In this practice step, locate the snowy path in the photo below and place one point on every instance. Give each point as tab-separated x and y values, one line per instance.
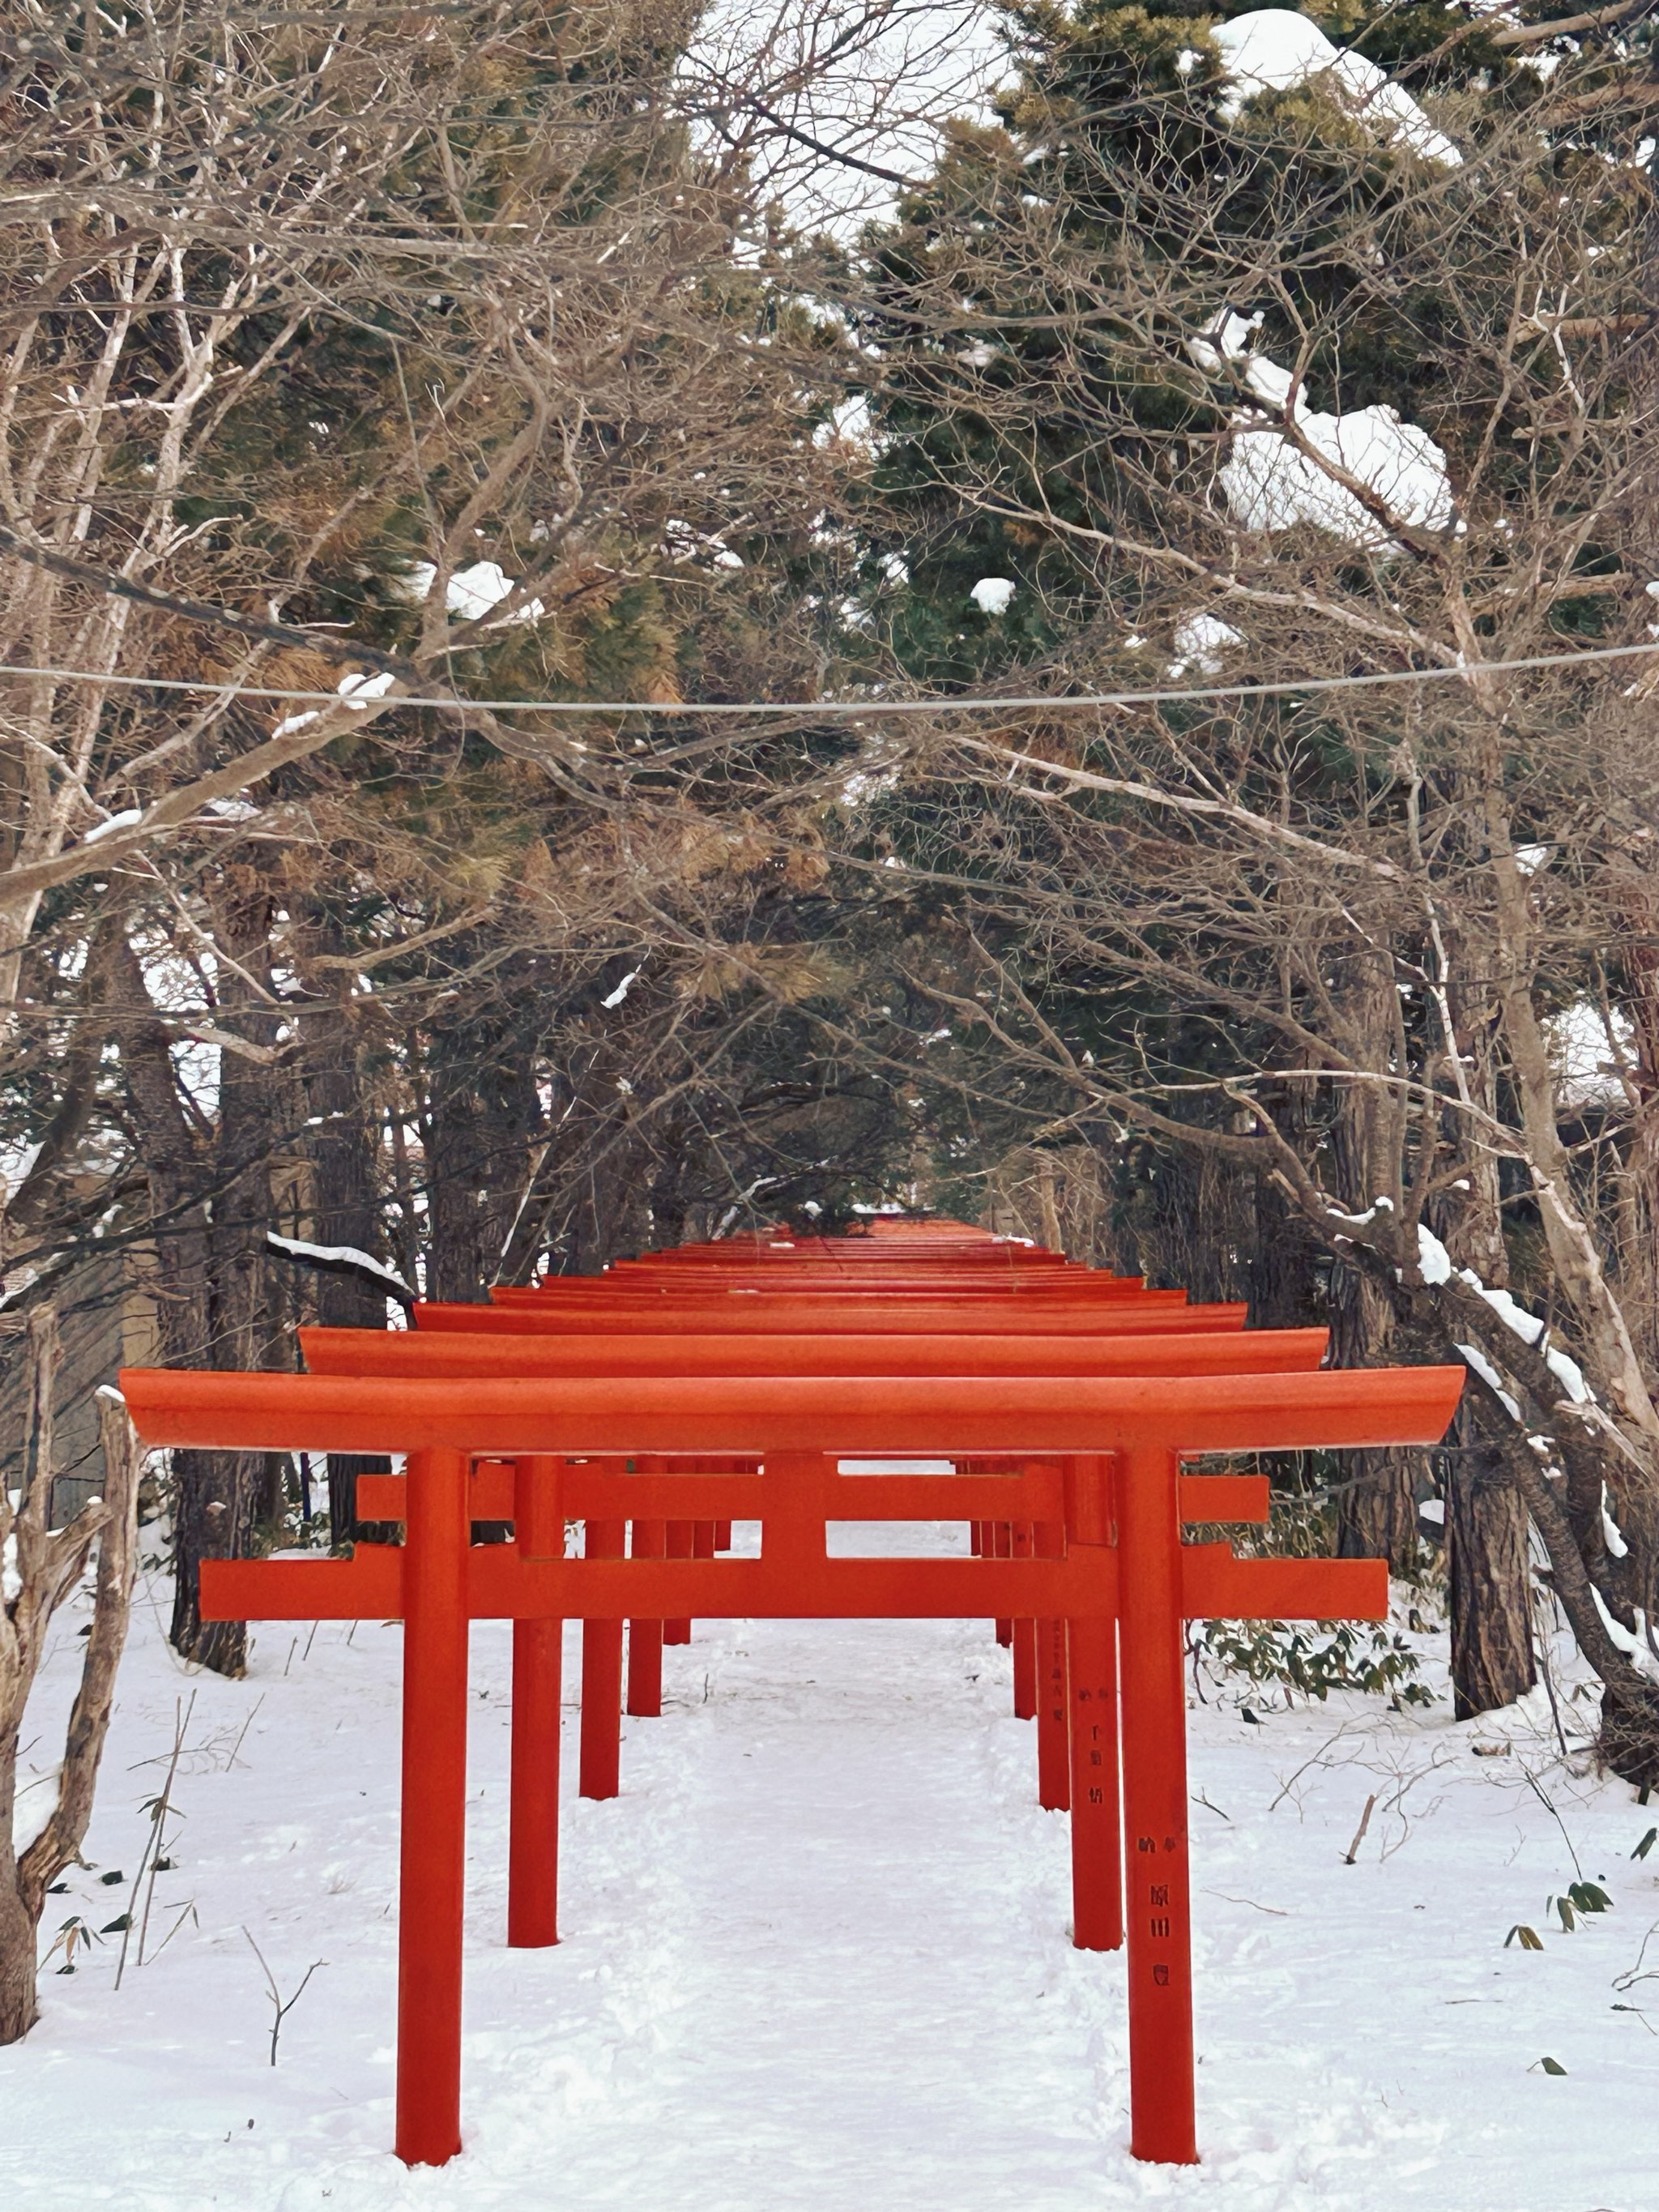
816	1960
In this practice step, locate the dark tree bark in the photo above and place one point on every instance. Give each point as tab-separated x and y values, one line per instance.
43	1197
485	1121
48	1564
176	1161
1376	1501
210	1203
342	1131
1376	1508
1377	1496
225	1500
455	1193
1493	1658
1492	1661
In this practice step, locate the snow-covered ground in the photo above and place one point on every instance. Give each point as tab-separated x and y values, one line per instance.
816	1959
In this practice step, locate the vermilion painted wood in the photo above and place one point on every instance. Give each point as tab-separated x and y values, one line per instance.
1158	1890
532	1885
1097	1837
836	1255
681	1538
1025	1696
715	1296
878	1587
589	1493
432	1873
1215	1585
403	1351
793	1421
915	1283
599	1757
851	1262
923	1416
850	1248
777	1266
648	1540
1153	1316
1052	1716
815	1355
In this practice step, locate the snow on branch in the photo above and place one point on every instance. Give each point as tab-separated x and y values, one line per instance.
344	1259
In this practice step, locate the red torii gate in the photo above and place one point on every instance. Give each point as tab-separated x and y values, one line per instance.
826	1285
377	1352
1122	1436
1097	1915
1096	1306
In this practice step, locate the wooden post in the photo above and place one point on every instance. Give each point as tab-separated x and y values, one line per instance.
1025	1701
432	1845
679	1542
1091	1655
1157	1885
532	1878
599	1762
1054	1703
648	1540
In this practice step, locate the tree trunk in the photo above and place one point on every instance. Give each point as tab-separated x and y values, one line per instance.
225	1498
456	1196
485	1118
1376	1508
19	1942
1491	1652
48	1564
1376	1495
345	1202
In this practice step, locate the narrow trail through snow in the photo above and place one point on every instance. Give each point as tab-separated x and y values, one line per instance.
815	1958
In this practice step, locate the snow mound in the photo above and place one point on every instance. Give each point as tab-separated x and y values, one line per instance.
1273	483
112	824
471	592
358	688
1276	49
992	594
340	1255
1201	640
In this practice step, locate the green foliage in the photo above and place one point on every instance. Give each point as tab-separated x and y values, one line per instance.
1582	1897
1313	1660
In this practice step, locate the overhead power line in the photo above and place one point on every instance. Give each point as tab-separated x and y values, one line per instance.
1059	702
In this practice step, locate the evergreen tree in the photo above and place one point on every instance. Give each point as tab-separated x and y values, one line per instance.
1261	346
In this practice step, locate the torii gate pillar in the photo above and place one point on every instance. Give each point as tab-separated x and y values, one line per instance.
1157	1879
433	1838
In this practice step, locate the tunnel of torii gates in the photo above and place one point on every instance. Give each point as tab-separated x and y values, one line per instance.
658	1403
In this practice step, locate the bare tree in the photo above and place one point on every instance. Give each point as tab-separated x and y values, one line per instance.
43	1566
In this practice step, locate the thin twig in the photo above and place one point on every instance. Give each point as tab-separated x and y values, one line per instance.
280	2009
1353	1852
1536	1787
159	1807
